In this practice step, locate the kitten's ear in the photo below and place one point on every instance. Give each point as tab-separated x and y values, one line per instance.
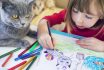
4	1
7	6
29	1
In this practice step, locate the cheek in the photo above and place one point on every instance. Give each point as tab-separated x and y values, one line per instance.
9	20
90	23
74	17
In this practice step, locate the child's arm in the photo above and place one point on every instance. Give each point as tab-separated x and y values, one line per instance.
91	43
43	34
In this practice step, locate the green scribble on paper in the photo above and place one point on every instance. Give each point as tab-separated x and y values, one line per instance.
73	47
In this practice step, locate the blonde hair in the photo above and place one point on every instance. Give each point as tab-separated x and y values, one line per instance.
84	5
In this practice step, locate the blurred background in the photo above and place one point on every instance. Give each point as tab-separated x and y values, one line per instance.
50	7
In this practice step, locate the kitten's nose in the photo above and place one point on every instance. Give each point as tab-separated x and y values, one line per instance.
23	23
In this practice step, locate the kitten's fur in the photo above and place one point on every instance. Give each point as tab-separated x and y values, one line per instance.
41	5
13	30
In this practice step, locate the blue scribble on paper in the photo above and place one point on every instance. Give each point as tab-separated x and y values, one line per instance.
94	63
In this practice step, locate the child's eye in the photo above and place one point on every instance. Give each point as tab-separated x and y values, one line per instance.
75	10
89	17
15	17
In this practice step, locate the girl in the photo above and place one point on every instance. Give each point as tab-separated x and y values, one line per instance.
82	17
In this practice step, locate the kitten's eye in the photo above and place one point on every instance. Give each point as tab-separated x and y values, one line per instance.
15	17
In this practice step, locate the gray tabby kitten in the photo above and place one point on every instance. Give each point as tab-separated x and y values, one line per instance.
15	20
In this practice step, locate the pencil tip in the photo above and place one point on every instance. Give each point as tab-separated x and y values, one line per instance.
16	59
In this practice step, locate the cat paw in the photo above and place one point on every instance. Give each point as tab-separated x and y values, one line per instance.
24	44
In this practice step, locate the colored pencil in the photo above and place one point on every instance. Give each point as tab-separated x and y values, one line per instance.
31	55
24	51
28	55
50	32
7	60
27	49
34	46
12	51
35	52
28	68
18	65
24	65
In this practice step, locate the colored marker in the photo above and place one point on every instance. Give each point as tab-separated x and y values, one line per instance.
25	56
35	52
3	55
7	60
28	68
26	50
24	65
34	46
31	55
18	65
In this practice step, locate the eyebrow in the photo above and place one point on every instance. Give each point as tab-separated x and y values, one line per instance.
90	13
87	12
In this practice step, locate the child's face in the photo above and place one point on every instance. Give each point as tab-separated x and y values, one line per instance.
84	20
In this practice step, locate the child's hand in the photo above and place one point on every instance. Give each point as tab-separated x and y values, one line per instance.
45	41
92	44
43	35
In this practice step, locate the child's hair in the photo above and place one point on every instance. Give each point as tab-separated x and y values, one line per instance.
84	6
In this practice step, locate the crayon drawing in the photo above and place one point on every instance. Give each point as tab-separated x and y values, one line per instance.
66	44
67	55
94	63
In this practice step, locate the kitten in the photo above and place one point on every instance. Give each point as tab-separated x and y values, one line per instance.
37	7
40	5
15	18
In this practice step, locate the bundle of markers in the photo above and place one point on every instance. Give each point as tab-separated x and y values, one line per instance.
33	53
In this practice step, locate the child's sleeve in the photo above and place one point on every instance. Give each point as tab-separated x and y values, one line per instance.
103	38
101	35
56	18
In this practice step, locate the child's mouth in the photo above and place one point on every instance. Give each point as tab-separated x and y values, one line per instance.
81	27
